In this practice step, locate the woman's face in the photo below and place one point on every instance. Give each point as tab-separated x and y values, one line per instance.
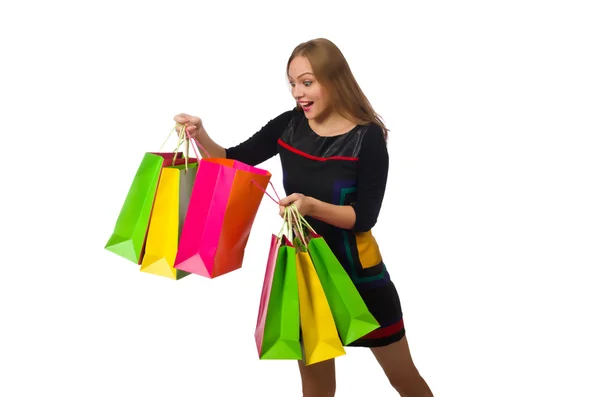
307	91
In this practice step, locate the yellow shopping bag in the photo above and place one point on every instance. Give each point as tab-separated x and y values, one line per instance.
166	221
320	338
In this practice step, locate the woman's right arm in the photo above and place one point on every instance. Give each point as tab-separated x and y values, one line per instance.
258	148
196	130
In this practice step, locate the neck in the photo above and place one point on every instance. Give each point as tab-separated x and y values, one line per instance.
331	124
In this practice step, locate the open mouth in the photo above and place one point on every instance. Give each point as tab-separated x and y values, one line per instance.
306	106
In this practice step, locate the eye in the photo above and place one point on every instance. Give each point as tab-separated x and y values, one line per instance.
292	84
307	83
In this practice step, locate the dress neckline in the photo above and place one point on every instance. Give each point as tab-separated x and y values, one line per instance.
305	120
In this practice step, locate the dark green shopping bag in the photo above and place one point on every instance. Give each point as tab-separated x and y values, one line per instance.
350	313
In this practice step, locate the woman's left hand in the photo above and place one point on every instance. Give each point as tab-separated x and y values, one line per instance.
303	203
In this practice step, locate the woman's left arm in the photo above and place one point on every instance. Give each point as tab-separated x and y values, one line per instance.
373	165
342	216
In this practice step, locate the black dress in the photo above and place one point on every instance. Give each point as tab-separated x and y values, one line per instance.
347	169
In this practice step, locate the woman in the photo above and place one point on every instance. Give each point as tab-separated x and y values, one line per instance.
334	158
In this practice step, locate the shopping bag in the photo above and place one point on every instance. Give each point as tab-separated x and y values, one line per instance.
274	255
352	317
222	209
277	332
320	337
166	221
130	230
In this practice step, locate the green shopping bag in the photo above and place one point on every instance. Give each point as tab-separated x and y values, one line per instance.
130	231
281	336
277	332
352	317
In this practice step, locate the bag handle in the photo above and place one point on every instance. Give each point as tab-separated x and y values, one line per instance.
265	192
181	134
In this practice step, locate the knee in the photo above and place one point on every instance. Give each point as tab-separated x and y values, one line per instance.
318	380
328	391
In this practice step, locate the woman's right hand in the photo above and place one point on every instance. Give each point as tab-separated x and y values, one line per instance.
192	124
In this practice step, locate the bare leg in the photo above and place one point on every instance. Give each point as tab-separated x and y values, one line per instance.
318	380
397	363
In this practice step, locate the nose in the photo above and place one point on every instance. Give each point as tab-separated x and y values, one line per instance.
297	91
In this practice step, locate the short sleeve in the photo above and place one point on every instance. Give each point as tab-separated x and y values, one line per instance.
372	173
263	144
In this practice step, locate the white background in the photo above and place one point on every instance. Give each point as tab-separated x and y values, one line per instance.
490	225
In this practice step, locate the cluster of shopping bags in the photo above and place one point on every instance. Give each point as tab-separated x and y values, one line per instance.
185	215
309	307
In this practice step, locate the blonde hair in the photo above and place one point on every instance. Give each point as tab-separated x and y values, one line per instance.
332	71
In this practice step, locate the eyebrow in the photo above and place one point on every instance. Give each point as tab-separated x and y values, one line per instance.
301	75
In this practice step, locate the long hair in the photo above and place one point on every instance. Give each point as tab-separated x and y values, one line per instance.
333	72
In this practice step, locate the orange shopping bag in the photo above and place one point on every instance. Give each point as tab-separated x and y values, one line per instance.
223	204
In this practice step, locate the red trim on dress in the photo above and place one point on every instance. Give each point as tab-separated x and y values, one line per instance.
309	156
387	331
